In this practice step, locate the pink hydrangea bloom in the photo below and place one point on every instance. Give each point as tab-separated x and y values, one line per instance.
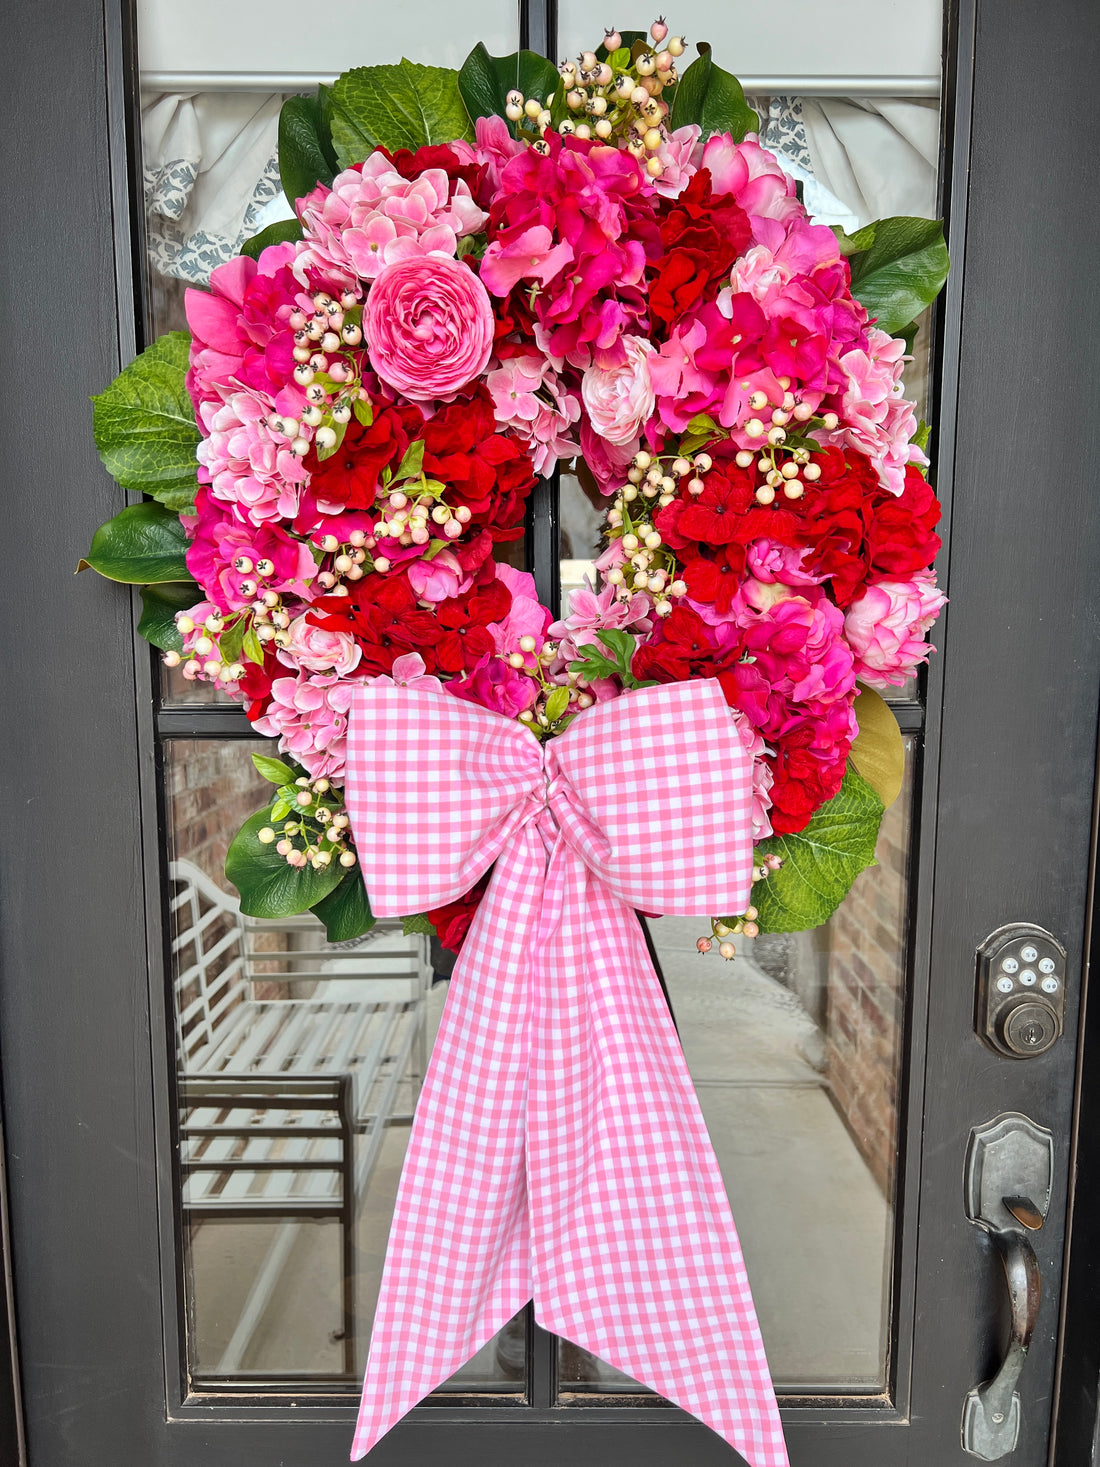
589	612
496	147
429	326
308	714
887	626
495	685
245	463
762	775
222	545
620	399
530	398
408	672
318	650
372	216
876	418
527	617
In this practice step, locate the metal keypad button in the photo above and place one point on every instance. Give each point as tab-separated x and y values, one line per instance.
1028	977
1029	953
1010	965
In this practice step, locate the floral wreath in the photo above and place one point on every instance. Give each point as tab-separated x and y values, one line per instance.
490	273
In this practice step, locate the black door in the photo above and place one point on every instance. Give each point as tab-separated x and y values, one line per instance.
841	1075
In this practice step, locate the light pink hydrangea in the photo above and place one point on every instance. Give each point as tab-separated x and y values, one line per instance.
530	398
318	650
875	417
590	612
308	714
429	326
620	399
762	775
887	626
372	216
679	154
246	463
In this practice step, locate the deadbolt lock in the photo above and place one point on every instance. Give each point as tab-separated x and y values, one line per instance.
1021	990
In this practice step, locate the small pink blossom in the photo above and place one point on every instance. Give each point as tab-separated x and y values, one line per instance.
886	628
429	326
762	774
440	578
530	398
408	671
766	560
679	159
532	255
527	617
620	400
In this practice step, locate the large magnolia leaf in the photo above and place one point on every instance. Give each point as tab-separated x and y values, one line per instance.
821	862
898	268
878	753
268	886
159	606
485	80
144	424
278	233
402	106
144	543
711	97
346	911
306	156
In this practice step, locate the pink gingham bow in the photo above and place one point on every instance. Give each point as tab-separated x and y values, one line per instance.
558	1152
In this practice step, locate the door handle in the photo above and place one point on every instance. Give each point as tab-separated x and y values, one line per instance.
1009	1172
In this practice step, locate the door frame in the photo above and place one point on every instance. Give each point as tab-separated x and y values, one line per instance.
81	1095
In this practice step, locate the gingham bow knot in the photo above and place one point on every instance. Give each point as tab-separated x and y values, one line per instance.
558	1152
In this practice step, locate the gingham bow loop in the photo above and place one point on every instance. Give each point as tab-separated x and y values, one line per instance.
558	1152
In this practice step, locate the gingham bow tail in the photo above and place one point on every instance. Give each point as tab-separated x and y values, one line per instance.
558	1152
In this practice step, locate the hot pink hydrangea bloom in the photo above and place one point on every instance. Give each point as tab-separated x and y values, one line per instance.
221	540
495	685
530	398
308	714
887	626
429	326
371	216
245	463
620	399
527	617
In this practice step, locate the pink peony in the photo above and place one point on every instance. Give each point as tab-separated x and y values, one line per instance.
495	685
429	326
886	628
440	578
309	716
766	560
372	217
620	399
318	650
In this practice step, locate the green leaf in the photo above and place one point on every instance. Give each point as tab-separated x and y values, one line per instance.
158	618
281	809
922	435
346	911
402	106
410	926
852	244
485	81
268	886
274	769
305	147
144	543
411	465
821	862
900	271
713	98
144	424
615	662
878	752
364	412
277	233
556	704
252	647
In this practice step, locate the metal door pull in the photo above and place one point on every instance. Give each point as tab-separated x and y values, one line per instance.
1009	1168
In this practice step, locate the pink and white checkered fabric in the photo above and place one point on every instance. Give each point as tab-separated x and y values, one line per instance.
558	1151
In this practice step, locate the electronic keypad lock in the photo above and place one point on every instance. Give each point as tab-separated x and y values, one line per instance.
1021	990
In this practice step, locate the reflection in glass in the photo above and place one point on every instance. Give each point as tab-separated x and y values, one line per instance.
299	1063
796	1051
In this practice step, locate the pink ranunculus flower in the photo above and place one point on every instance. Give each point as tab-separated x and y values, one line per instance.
496	685
440	578
319	650
886	628
309	716
620	399
429	327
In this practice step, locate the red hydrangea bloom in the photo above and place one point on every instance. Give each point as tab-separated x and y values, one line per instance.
683	647
702	237
452	921
382	614
463	625
489	472
901	534
350	477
